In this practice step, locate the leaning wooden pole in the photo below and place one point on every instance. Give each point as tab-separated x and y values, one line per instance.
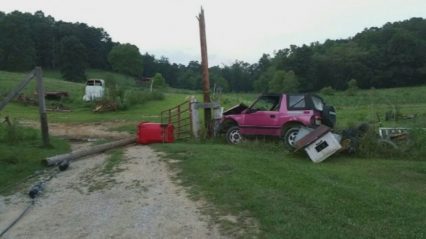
205	73
56	160
15	92
42	107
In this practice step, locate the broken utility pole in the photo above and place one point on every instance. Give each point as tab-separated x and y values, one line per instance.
205	72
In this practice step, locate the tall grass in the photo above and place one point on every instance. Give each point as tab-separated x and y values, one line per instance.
21	153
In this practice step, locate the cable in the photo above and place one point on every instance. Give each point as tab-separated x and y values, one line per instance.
18	218
34	192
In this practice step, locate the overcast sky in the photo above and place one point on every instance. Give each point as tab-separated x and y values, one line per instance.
236	29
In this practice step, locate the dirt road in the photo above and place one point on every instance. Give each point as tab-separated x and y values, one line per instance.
136	199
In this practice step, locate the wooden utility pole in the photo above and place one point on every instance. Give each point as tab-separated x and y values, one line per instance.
205	72
42	107
56	160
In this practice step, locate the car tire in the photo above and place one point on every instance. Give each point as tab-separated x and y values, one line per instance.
289	136
233	135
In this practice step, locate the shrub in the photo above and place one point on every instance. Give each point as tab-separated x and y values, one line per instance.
328	90
134	97
352	87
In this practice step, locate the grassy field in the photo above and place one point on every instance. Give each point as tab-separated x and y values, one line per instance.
81	111
286	194
290	197
21	154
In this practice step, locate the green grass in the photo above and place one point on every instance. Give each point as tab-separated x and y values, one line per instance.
366	105
286	194
113	160
291	197
22	157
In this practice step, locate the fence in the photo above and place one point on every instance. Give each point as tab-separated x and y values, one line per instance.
181	118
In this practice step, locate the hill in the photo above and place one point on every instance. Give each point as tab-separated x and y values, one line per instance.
380	57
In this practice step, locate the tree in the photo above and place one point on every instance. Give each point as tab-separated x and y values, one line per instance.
284	82
262	83
73	59
16	44
126	59
159	81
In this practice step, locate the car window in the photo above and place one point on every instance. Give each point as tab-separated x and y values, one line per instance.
267	103
296	101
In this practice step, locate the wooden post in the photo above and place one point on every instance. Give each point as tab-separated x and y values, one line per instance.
12	94
205	72
42	107
195	121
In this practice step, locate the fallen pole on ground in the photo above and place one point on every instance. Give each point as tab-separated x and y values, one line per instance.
56	160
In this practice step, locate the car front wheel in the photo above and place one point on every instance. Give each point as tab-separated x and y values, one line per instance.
233	135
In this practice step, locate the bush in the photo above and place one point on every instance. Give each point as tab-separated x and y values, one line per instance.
328	90
352	88
134	97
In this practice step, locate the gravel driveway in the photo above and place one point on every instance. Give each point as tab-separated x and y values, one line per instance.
136	200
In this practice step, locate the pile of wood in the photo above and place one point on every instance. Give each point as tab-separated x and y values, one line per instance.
106	106
58	107
26	100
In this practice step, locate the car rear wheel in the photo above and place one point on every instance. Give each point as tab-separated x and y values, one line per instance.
289	136
233	135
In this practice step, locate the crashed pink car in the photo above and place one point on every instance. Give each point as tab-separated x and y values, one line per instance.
279	115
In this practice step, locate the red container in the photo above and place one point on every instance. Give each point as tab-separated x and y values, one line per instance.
149	133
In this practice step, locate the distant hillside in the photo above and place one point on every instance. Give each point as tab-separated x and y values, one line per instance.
393	55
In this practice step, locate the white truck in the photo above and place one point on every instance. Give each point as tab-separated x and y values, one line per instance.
95	89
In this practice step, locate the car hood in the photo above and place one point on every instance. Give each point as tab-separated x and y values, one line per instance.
236	109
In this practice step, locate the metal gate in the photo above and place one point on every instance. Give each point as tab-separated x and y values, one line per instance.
180	117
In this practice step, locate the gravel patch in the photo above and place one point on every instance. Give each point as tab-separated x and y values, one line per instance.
137	200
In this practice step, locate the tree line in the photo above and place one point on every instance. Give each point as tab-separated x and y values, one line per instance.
390	56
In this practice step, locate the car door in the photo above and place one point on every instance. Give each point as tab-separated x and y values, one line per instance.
262	118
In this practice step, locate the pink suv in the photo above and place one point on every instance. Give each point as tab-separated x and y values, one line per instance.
279	115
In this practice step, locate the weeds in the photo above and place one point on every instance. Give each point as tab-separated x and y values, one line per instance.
14	133
410	147
21	153
114	159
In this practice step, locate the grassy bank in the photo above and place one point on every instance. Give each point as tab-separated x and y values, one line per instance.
291	197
